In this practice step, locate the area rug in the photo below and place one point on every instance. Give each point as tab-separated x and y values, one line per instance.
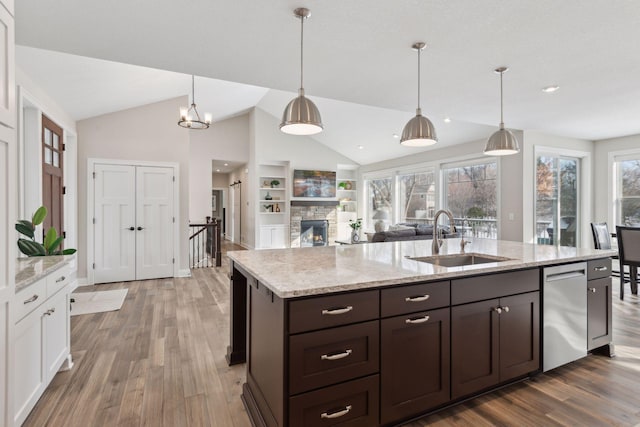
97	302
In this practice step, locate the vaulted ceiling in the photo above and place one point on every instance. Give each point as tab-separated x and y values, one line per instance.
359	67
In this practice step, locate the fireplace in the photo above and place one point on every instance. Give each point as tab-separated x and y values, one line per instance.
313	232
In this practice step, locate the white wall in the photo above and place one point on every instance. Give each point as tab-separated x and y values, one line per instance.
603	150
225	140
147	133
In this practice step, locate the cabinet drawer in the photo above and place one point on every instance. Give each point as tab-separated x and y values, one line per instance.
494	286
333	310
30	298
330	356
409	299
598	268
58	280
353	404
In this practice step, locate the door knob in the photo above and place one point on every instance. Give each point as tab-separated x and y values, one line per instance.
140	228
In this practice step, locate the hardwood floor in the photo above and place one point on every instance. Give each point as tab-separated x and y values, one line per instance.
159	361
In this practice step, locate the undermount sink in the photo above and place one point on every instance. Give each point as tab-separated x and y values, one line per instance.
459	260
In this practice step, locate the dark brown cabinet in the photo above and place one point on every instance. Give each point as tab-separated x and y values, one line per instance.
495	340
415	364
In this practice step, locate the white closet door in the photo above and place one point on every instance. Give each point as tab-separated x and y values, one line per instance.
154	222
114	229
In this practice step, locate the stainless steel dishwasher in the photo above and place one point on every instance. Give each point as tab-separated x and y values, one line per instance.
564	314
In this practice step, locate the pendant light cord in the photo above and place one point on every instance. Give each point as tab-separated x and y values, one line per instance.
193	91
301	50
419	78
501	103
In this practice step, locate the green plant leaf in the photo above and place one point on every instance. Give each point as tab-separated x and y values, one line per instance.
23	229
26	223
39	215
31	248
54	245
69	251
50	238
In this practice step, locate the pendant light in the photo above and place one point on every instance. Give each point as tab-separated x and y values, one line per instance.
502	142
301	117
189	118
419	131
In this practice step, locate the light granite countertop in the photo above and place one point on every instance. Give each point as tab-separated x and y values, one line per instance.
299	272
30	270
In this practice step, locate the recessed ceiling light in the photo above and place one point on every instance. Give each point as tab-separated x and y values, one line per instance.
360	147
226	164
550	89
396	136
447	120
217	170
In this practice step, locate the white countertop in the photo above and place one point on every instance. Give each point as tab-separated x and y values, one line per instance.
299	272
30	270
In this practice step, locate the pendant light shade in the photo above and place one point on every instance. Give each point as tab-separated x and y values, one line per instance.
419	131
301	117
190	118
503	142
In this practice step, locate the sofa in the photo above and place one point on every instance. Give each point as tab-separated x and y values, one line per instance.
410	231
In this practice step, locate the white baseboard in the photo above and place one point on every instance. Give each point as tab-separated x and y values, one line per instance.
184	273
82	281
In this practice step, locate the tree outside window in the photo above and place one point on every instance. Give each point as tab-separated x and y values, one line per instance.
628	172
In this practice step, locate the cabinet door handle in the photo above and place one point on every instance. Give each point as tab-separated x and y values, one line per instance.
60	279
604	268
336	356
49	312
140	228
417	298
131	228
32	299
333	311
498	310
506	309
592	290
417	320
336	414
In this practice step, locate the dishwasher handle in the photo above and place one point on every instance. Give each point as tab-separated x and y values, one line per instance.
566	275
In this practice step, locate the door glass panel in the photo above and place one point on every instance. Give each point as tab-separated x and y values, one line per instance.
47	155
557	216
55	141
47	137
55	159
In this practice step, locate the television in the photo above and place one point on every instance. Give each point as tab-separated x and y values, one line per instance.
313	183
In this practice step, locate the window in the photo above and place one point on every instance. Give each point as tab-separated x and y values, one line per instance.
379	199
557	192
417	196
471	194
627	204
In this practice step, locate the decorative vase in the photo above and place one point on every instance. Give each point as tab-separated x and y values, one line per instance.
355	235
268	196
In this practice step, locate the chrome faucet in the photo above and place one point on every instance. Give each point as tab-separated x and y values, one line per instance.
437	232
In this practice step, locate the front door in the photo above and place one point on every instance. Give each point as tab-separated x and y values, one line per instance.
134	222
52	173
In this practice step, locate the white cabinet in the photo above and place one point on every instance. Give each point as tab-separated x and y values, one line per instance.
41	343
274	236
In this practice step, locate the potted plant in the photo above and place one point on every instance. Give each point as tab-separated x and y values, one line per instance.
51	242
355	229
275	183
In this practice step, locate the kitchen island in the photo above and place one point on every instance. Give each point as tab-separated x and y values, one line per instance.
367	335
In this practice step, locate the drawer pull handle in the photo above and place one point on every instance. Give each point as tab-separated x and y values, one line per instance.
333	311
60	279
417	298
32	299
604	268
50	311
336	414
417	320
592	290
336	356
